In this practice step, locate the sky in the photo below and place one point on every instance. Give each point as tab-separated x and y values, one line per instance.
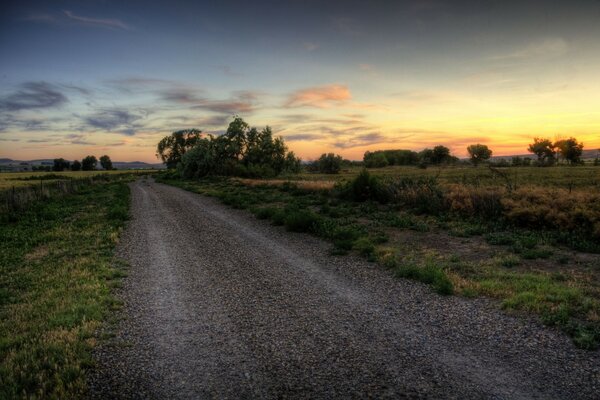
114	77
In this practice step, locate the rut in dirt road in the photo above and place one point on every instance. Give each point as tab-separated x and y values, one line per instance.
220	305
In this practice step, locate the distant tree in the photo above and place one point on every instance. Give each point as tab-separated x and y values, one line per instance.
544	150
60	165
479	153
570	150
171	148
440	154
329	163
377	159
516	161
425	157
106	162
89	163
241	151
75	165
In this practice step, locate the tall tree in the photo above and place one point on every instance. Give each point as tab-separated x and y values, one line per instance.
60	164
75	165
106	162
544	150
440	154
479	153
171	148
89	163
570	150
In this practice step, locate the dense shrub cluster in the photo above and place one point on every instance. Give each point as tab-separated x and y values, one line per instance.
241	151
528	207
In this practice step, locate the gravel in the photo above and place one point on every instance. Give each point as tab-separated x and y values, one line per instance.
218	304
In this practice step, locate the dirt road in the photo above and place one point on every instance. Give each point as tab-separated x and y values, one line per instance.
221	305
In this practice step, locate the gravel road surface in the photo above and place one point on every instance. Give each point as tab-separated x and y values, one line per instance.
220	305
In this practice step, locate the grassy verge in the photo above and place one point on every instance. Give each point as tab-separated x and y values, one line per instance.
56	274
527	271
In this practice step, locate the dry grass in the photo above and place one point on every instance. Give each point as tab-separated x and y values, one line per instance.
301	184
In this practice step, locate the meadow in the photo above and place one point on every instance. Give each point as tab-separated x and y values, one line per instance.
19	179
56	275
528	237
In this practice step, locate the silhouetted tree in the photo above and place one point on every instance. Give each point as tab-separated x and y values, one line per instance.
106	162
329	163
241	151
75	165
479	153
171	148
544	150
570	150
60	165
440	154
89	163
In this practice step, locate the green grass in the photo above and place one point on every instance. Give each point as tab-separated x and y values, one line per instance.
56	274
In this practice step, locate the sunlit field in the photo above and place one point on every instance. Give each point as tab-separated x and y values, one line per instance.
18	179
558	177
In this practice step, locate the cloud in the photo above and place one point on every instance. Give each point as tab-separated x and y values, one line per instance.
360	140
549	47
78	139
114	120
33	95
366	67
319	97
241	102
104	23
299	137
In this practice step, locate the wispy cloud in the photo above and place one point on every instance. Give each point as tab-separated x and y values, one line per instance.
365	139
544	48
113	120
319	97
33	95
241	102
103	23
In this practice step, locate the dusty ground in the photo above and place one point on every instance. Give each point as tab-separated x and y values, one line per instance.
220	305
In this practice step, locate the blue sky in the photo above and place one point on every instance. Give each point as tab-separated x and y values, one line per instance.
91	77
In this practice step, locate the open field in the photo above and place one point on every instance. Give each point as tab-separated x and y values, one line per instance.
556	177
18	179
56	275
531	242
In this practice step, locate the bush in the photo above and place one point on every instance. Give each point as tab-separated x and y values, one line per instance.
301	221
364	187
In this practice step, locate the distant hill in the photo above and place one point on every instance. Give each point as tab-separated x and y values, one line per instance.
7	163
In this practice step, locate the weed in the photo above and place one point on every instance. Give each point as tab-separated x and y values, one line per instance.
430	274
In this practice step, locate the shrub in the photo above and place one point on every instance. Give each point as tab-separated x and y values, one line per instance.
301	221
265	212
364	247
423	195
364	187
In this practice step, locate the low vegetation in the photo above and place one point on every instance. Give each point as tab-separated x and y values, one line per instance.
518	236
56	272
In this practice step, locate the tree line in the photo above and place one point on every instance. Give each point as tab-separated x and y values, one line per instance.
88	163
241	151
